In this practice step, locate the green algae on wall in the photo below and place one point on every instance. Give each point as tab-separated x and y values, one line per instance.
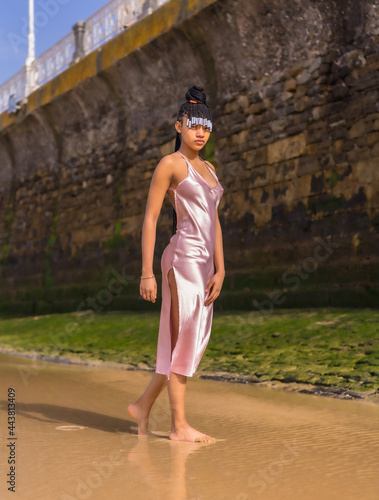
49	250
116	240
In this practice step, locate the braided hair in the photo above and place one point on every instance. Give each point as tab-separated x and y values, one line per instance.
191	109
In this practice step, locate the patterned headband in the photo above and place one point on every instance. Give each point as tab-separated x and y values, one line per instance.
199	121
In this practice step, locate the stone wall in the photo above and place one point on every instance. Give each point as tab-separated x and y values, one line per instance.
294	92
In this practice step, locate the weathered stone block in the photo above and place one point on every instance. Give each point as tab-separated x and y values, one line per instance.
286	148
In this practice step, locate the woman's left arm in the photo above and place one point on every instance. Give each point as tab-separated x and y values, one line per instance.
218	257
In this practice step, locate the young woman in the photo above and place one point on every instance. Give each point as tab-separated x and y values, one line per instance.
189	283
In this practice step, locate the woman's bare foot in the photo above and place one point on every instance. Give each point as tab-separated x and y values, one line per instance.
188	433
142	418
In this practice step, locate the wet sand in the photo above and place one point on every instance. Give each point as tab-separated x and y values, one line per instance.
75	440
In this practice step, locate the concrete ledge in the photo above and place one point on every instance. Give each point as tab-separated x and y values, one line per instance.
139	34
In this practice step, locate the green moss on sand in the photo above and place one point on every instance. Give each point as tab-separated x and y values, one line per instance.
330	347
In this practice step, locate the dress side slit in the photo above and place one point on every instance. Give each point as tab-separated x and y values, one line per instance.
174	309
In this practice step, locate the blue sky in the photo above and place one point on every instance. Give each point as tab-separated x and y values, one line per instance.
53	20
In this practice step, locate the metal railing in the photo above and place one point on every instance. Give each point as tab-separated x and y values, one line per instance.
86	36
54	60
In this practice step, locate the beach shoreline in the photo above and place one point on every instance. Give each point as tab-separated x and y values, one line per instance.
371	397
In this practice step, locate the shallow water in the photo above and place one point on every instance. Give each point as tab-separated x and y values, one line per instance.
75	440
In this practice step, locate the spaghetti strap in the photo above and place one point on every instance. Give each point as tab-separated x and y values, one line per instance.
199	174
209	168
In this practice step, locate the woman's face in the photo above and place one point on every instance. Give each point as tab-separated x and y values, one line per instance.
195	136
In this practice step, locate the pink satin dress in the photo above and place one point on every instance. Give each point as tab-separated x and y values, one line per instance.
190	254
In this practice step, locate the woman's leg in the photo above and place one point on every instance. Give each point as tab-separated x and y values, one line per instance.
140	409
180	429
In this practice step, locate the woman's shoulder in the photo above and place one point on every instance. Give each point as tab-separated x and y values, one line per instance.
167	161
168	165
170	158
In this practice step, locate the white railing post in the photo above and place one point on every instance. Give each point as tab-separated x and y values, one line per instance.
30	82
85	37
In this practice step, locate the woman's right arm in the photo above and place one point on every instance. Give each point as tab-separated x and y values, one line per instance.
159	184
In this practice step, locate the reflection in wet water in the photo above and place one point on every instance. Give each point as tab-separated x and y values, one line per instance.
166	478
271	445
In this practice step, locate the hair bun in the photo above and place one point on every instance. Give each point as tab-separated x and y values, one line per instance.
196	93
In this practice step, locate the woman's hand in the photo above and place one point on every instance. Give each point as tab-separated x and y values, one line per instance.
214	285
148	289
